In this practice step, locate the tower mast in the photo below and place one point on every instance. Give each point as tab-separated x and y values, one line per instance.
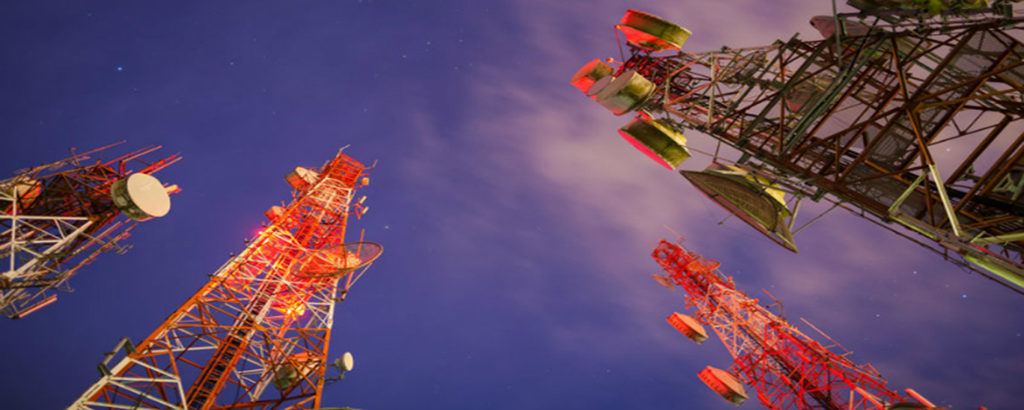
913	122
788	369
256	335
57	217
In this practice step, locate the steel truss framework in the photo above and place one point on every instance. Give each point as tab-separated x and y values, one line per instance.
57	217
865	120
788	369
256	335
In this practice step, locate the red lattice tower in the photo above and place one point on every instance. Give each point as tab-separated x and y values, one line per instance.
788	369
257	334
57	217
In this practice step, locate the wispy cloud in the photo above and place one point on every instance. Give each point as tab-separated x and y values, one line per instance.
551	150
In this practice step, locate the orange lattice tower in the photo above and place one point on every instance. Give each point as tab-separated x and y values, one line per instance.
256	335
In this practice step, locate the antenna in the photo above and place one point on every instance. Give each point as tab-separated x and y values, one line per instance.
750	198
262	323
60	216
848	118
344	364
786	368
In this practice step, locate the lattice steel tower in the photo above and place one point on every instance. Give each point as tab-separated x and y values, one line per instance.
896	115
256	335
788	369
57	217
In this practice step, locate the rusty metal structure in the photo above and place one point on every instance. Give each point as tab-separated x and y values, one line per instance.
256	335
911	122
57	217
787	369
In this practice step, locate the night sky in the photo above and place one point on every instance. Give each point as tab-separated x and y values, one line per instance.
517	225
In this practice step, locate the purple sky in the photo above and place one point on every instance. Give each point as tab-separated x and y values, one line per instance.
517	225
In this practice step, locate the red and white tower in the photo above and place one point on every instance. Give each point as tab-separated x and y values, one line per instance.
256	335
788	369
57	217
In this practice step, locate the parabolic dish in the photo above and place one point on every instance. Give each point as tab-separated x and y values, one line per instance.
589	73
664	281
689	327
658	140
703	265
599	85
752	204
338	260
652	32
345	362
24	189
626	92
724	384
141	197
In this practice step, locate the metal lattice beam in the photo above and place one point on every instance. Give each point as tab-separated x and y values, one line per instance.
57	217
864	118
788	369
256	335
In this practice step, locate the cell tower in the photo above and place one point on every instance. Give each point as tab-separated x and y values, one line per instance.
894	115
788	369
57	217
256	335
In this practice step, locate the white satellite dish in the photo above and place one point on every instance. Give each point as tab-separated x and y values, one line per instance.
141	197
345	362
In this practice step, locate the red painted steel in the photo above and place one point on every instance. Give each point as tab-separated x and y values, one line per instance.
788	369
257	334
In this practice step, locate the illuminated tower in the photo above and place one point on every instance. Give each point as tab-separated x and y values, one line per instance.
916	123
256	335
788	369
57	217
